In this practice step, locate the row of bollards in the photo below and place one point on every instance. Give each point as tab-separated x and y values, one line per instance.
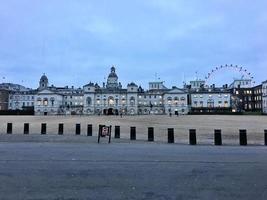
150	134
44	131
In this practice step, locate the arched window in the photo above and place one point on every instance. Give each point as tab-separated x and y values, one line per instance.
210	103
39	101
132	101
169	100
123	102
176	99
45	102
110	101
88	101
52	99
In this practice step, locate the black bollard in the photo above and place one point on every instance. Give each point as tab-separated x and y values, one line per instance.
243	137
26	128
117	132
133	133
192	137
78	129
61	129
43	128
89	130
9	128
170	135
265	137
217	137
150	135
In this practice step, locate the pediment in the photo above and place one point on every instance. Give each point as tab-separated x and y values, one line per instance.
46	91
176	91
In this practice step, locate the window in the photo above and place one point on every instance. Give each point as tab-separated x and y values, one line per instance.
176	99
110	101
210	103
132	101
45	101
52	99
88	101
123	102
39	100
169	99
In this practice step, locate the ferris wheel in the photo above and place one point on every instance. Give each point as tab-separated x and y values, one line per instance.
245	74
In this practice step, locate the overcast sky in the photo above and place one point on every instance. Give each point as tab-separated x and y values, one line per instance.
77	41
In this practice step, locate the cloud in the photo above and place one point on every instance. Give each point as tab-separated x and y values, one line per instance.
80	40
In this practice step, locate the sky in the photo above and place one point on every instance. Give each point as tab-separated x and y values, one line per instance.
77	41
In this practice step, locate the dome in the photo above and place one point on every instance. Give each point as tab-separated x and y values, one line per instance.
112	73
44	77
132	84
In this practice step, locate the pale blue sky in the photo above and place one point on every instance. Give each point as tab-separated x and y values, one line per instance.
77	41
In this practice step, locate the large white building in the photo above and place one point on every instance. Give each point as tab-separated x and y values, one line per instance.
111	98
264	97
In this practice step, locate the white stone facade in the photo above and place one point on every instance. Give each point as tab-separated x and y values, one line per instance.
109	99
21	100
211	99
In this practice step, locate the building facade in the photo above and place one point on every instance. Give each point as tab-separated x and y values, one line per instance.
264	97
110	99
4	94
211	100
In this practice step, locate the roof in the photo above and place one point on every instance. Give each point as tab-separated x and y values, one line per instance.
132	84
44	77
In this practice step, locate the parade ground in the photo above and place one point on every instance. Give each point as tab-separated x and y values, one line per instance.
204	125
69	166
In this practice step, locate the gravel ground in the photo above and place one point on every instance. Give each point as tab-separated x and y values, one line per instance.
204	125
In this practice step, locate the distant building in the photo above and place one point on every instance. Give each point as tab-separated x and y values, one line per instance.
241	83
264	97
111	98
4	94
246	98
210	100
257	98
21	100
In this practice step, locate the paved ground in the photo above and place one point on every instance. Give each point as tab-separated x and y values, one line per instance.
61	170
204	125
